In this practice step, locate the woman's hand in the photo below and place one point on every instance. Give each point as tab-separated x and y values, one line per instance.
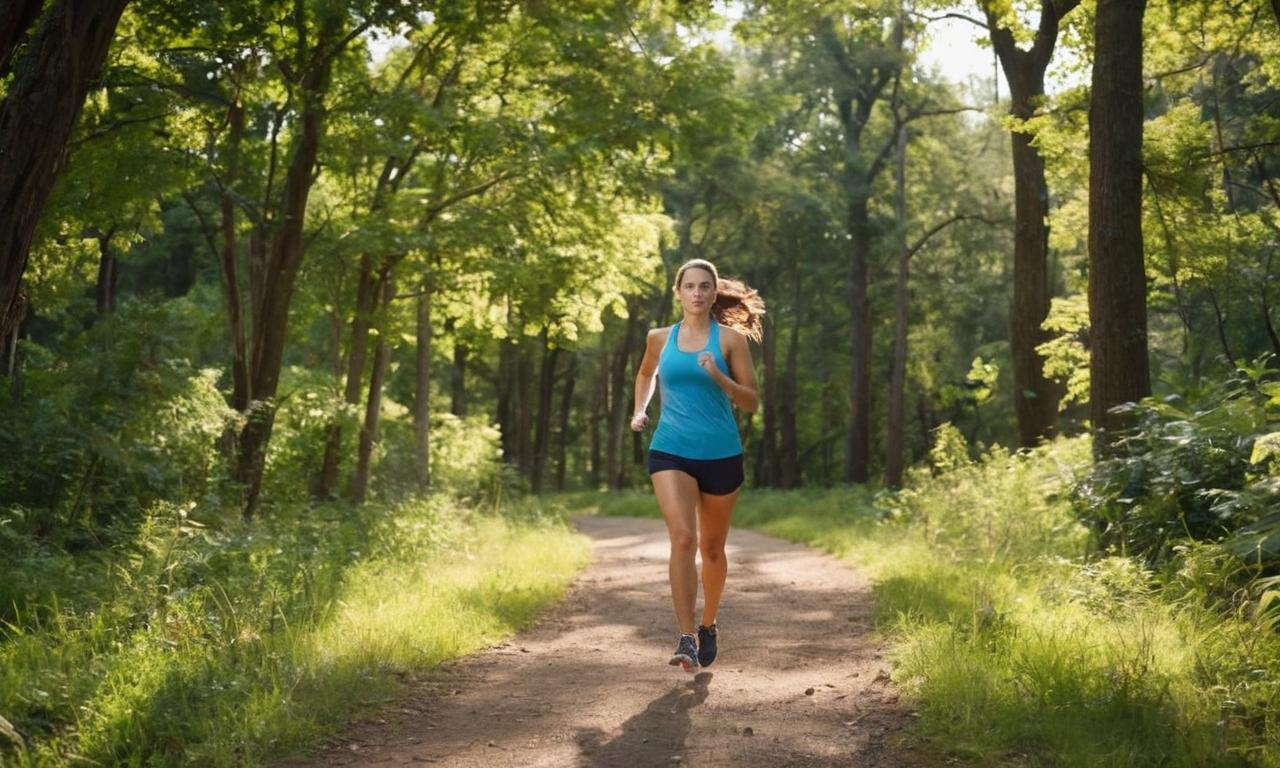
708	363
639	422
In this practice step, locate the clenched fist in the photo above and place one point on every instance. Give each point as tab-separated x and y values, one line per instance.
639	422
708	362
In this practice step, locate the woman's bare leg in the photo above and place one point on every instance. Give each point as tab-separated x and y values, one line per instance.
713	530
678	495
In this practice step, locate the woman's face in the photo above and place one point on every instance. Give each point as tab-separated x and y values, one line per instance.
697	291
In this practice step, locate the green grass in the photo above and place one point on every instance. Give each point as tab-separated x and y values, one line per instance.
1016	647
235	645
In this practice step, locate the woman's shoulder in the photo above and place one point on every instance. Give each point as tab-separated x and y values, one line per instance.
659	335
731	336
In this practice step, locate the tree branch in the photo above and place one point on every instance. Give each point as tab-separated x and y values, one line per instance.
943	225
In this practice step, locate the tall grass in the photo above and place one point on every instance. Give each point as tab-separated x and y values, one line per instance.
233	645
1021	648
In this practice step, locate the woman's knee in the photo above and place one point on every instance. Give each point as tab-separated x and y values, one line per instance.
712	549
683	540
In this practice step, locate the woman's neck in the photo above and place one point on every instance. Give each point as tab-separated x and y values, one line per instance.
697	322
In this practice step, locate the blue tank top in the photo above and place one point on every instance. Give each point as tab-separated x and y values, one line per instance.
697	418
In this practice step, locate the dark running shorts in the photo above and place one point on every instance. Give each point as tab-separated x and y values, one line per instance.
715	476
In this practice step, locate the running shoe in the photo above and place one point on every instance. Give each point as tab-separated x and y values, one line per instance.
686	655
707	644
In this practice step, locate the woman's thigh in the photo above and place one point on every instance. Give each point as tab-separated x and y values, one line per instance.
714	513
678	495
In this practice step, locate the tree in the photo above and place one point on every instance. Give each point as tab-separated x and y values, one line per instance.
56	64
1119	368
1035	396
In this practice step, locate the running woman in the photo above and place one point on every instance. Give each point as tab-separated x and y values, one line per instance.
703	366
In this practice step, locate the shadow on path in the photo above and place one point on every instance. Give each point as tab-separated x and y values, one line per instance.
663	725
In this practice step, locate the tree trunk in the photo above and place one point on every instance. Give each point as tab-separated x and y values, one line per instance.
789	445
566	404
1119	368
767	469
1035	397
858	436
458	380
620	399
373	407
1220	323
16	18
108	273
542	427
241	392
278	274
896	426
42	102
327	483
523	386
599	412
505	384
422	391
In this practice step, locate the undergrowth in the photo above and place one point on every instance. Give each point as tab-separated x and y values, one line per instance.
220	643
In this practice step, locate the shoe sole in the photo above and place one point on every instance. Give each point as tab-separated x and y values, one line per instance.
689	665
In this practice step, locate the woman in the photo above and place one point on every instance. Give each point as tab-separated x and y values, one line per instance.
703	365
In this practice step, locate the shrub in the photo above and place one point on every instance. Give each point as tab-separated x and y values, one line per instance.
1191	471
119	422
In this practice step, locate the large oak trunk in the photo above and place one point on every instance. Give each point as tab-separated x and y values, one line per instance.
1119	368
59	63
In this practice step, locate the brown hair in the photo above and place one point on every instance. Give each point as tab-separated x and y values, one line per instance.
738	305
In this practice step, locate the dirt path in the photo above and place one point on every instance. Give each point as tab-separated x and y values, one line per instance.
800	681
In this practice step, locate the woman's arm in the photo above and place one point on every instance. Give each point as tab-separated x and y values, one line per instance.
646	376
741	388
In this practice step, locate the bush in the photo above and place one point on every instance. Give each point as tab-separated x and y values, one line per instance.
117	423
1191	472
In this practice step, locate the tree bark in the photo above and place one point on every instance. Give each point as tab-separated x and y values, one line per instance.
767	469
620	399
1220	323
108	273
422	390
373	407
599	412
1119	367
278	274
542	426
61	60
523	386
1035	397
458	380
327	483
566	404
241	391
858	436
789	444
16	18
895	439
